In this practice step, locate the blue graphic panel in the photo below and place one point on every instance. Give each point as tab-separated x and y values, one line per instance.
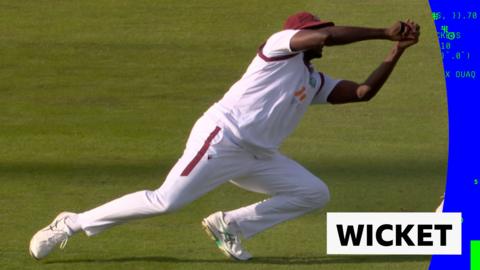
458	29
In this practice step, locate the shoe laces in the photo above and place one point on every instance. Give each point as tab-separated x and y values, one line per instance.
63	244
58	230
231	239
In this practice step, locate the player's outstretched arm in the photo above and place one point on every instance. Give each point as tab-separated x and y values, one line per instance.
340	35
348	91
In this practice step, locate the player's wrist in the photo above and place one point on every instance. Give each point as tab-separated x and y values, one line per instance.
387	34
398	49
394	53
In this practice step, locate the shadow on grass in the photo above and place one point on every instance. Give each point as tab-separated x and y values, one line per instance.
410	168
259	260
95	170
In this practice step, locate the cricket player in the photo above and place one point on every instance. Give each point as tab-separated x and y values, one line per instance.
237	140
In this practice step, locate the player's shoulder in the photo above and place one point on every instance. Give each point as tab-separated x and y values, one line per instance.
278	44
281	35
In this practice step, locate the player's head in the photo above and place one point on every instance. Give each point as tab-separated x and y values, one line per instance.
305	20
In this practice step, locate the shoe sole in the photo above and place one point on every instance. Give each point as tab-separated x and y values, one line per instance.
59	216
211	234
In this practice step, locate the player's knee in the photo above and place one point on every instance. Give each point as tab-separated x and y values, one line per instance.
162	203
317	195
169	206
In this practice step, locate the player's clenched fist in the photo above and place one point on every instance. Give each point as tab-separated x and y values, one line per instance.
412	37
401	31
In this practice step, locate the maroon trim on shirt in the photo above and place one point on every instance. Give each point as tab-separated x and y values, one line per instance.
275	58
200	153
322	77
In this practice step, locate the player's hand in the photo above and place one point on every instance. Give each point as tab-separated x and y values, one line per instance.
402	30
412	37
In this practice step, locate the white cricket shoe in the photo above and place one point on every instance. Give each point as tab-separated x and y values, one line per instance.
48	238
227	240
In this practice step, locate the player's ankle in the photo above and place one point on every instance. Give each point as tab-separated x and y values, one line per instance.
72	224
232	224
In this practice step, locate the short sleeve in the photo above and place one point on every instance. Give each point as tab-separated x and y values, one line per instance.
327	85
279	44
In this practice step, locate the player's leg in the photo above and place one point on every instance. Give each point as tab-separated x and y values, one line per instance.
207	162
177	191
295	191
193	175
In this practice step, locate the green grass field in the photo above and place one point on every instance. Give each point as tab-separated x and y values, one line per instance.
98	97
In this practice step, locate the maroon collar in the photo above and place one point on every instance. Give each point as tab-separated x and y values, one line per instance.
308	64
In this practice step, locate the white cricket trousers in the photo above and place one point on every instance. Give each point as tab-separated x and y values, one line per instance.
209	160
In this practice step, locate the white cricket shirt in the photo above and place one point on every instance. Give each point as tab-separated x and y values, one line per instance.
261	109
